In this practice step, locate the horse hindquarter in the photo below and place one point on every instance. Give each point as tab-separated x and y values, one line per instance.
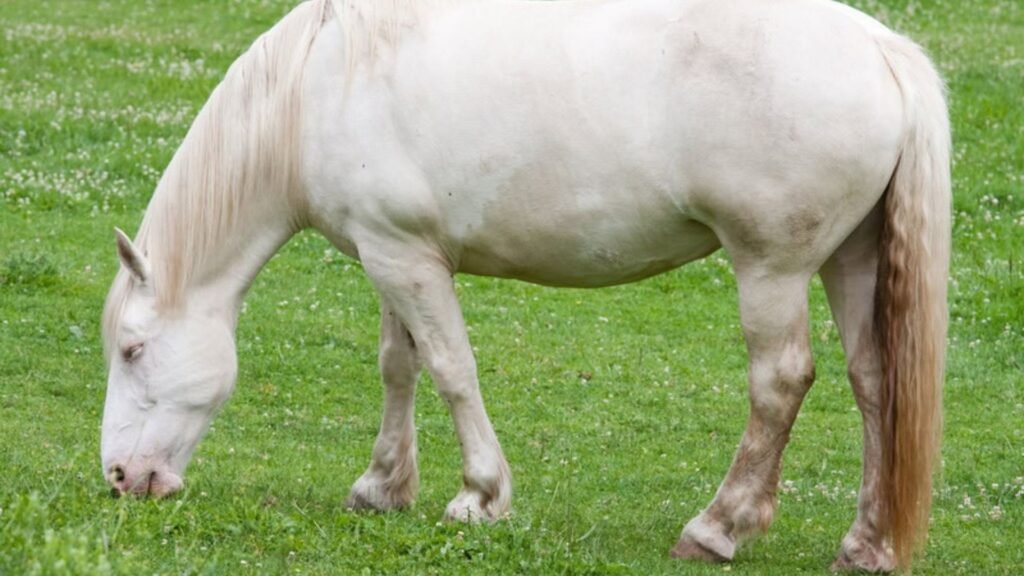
889	105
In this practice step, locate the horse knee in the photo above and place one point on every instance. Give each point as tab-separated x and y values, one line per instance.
455	377
397	372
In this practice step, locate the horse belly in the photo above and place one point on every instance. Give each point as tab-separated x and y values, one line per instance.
576	245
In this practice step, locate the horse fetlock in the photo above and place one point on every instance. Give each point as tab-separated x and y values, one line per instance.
486	474
743	509
394	454
753	519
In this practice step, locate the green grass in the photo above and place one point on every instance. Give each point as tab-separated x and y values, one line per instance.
95	97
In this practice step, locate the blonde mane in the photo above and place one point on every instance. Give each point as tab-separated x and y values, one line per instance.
243	143
367	26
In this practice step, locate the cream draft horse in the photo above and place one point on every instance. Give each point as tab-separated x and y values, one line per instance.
582	143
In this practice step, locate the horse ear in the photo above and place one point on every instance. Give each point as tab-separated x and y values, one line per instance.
131	258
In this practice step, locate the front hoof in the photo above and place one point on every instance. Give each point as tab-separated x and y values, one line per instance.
361	503
369	494
467	508
689	549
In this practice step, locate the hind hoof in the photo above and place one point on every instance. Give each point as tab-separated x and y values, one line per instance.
689	549
863	558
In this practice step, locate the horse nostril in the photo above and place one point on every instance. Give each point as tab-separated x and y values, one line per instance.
117	474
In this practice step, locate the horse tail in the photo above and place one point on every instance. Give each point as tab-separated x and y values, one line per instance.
911	303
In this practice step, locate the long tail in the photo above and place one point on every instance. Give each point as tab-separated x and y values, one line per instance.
911	299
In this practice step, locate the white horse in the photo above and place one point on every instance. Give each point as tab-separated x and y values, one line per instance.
581	143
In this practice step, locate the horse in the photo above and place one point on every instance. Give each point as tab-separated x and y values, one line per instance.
583	144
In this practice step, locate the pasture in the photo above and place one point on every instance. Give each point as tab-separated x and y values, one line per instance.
618	409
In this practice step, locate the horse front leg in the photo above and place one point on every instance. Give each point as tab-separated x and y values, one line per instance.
773	312
421	293
391	481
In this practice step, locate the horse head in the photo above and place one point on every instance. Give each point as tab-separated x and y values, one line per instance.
170	369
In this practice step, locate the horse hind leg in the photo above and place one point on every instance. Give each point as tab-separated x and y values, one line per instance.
849	277
773	310
391	481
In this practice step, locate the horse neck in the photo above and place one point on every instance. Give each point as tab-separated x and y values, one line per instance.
231	267
194	267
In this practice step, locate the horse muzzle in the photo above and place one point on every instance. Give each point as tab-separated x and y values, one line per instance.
142	481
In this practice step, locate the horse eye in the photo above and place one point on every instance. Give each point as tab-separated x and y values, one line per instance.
132	352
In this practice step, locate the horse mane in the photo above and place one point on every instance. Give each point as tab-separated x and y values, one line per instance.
369	25
243	143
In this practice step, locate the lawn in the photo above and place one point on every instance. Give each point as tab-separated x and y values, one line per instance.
619	409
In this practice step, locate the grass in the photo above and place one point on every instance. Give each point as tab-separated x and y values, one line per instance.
619	409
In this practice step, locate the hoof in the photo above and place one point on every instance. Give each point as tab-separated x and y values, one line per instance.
466	508
368	494
863	558
689	549
360	503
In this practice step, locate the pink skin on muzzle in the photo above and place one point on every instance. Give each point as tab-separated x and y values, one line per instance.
142	481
